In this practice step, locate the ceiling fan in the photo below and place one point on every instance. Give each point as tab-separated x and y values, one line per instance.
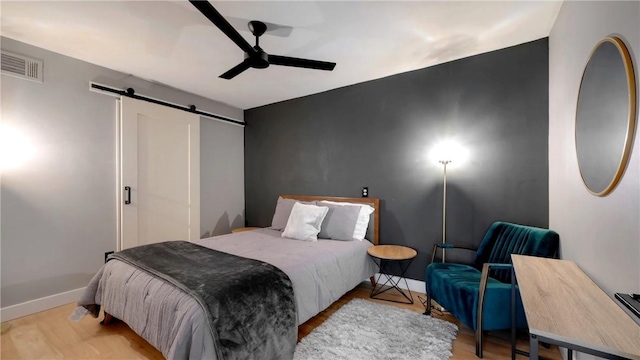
254	56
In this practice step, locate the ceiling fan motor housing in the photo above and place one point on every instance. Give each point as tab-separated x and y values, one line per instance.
257	60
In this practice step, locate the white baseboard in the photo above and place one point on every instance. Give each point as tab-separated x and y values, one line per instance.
413	285
37	305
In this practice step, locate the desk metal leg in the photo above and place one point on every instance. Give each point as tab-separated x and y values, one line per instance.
514	350
533	347
513	314
570	349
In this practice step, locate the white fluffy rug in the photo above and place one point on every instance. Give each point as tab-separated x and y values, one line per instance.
363	329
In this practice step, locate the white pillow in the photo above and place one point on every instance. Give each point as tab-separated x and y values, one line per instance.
304	222
363	218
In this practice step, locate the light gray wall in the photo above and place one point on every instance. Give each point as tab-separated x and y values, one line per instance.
601	234
58	211
222	177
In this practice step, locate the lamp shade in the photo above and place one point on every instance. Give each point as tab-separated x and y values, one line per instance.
448	151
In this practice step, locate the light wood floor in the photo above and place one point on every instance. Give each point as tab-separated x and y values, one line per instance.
51	335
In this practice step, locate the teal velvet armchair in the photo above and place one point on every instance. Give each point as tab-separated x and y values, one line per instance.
479	294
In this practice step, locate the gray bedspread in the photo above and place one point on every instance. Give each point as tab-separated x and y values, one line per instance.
249	304
173	322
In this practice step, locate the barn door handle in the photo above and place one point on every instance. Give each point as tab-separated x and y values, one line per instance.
127	190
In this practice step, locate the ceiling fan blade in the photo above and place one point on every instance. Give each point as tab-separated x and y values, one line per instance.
303	63
272	28
235	71
218	20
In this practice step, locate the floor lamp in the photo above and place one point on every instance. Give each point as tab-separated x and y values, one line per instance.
444	206
447	152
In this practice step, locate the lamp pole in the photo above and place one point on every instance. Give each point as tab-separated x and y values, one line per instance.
444	208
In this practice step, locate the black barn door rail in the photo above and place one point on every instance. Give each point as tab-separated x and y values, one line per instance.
130	92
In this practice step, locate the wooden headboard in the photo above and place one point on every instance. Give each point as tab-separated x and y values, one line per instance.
375	203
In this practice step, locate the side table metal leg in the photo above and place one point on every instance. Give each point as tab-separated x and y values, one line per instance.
384	268
410	297
570	354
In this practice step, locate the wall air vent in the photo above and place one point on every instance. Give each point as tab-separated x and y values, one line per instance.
21	66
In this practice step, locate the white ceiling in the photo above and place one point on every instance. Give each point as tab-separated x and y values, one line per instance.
172	43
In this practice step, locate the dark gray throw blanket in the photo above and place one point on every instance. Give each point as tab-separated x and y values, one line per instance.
250	304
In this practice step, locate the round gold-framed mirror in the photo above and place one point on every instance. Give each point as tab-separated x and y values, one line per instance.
605	116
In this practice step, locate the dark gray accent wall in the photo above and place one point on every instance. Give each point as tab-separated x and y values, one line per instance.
379	134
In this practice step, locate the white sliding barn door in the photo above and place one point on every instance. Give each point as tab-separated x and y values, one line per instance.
160	174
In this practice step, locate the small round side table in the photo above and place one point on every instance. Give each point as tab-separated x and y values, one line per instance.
385	256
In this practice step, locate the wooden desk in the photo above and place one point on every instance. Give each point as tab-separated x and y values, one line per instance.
565	307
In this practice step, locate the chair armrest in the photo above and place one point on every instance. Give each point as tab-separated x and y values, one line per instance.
496	266
447	246
484	279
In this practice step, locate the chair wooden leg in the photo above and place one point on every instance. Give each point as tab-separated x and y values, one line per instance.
479	342
373	281
481	292
427	310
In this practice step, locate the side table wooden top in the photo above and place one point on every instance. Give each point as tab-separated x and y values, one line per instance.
392	252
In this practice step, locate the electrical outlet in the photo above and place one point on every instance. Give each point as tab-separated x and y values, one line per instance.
106	255
365	191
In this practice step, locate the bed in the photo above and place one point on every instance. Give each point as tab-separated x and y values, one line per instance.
175	323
